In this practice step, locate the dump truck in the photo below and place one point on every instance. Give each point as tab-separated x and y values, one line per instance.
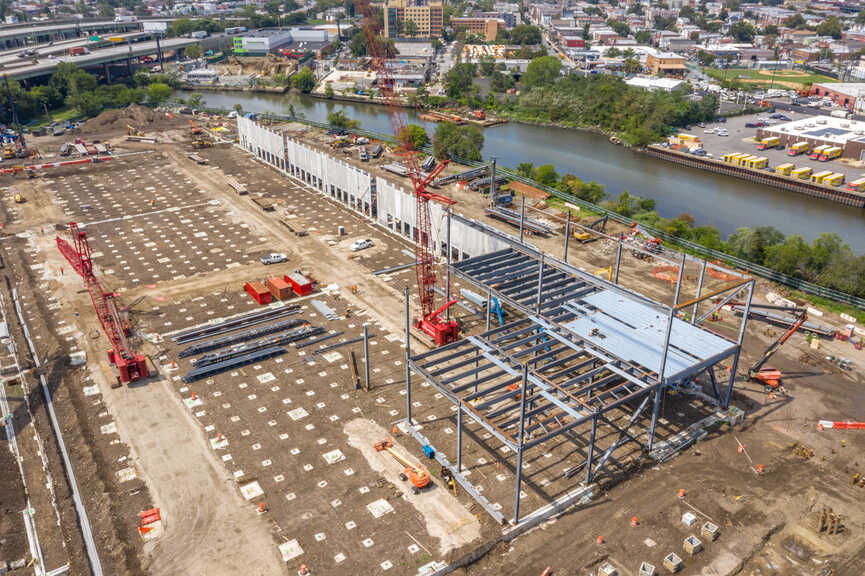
769	143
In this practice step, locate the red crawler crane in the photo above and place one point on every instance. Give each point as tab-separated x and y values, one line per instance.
130	366
441	330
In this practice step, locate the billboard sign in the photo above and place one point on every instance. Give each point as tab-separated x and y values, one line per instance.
148	26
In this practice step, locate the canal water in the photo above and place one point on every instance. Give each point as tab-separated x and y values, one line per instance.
717	200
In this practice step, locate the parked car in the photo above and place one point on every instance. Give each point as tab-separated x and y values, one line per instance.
723	132
359	245
274	258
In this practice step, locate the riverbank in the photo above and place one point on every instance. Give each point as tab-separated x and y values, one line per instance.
227	88
709	198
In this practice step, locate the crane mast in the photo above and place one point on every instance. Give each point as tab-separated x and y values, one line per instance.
441	330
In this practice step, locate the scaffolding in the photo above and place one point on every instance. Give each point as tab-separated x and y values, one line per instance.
580	353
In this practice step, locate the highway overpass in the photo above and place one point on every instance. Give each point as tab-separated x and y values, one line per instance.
18	36
47	66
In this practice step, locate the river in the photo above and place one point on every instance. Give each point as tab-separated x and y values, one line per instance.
717	200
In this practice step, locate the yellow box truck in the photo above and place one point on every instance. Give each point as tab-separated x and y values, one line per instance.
820	176
834	179
799	148
784	169
815	153
857	185
801	173
769	143
830	154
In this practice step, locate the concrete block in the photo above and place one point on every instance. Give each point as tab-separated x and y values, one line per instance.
689	519
647	569
710	531
673	563
692	545
607	569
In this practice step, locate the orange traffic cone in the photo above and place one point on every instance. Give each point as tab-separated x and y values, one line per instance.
261	507
740	449
682	494
600	540
194	396
172	364
395	430
304	571
219	437
634	522
759	468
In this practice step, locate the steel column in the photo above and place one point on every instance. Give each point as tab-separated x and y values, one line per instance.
679	281
591	450
366	354
459	438
519	474
522	218
489	306
407	361
655	409
540	285
734	366
618	261
567	236
699	291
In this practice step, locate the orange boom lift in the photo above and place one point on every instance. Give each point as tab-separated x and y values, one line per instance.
418	476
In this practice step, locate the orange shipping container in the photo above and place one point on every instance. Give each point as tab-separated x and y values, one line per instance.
258	291
280	289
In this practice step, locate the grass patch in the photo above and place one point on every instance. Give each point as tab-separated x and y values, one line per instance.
832	305
762	78
62	115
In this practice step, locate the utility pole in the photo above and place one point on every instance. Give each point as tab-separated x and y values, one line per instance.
159	52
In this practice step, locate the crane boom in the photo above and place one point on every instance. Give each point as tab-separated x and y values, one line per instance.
430	322
130	366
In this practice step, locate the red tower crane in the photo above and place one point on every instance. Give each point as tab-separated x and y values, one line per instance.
441	330
115	324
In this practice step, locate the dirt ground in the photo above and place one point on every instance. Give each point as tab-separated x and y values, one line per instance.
270	466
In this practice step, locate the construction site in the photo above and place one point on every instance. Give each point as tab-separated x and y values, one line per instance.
237	345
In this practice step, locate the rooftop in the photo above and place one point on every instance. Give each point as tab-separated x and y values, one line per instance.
826	128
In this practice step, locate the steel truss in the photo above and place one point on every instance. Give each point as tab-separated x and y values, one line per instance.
532	380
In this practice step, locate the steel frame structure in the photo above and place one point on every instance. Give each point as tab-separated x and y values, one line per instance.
535	378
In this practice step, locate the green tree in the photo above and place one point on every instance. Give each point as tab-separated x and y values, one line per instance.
459	79
463	142
752	243
193	52
743	31
795	21
501	82
706	58
303	80
546	174
158	93
526	169
194	101
631	66
687	12
620	27
860	17
328	90
414	134
541	72
643	36
525	34
770	30
831	26
338	119
487	65
410	28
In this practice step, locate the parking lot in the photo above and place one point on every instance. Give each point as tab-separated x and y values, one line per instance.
742	139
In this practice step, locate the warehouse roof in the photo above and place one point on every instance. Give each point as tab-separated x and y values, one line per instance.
826	128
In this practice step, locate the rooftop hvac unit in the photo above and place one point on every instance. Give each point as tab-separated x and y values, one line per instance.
845	124
821	121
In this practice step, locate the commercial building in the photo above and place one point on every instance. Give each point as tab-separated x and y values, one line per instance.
666	64
849	135
262	41
486	28
427	15
665	84
844	94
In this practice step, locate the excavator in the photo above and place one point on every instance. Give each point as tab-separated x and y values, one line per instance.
419	477
194	128
133	131
769	376
599	225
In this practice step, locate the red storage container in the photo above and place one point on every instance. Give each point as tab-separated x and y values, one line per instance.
280	289
259	291
300	283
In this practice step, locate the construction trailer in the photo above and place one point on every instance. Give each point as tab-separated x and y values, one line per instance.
581	361
299	283
259	292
